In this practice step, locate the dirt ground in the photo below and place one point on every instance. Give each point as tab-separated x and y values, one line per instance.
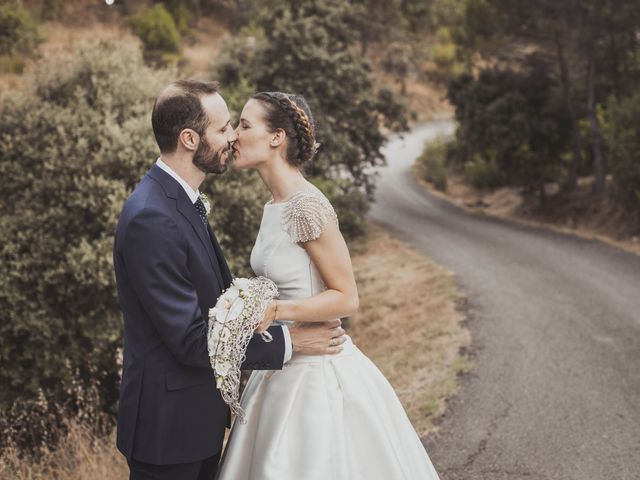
409	324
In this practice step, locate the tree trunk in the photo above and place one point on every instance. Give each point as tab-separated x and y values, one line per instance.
576	160
596	133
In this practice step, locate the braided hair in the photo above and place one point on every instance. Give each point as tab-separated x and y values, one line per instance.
292	114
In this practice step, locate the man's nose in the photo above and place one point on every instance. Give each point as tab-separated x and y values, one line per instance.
233	137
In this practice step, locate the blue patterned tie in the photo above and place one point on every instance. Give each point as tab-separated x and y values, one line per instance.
202	212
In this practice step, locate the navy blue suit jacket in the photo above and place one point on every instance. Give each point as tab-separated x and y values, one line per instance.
169	272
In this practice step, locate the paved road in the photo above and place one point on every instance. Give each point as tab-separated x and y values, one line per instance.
555	322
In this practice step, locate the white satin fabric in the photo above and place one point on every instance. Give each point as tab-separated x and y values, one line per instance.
332	417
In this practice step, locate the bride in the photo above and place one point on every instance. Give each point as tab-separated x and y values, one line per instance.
320	417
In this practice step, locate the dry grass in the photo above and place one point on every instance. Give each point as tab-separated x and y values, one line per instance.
408	324
80	456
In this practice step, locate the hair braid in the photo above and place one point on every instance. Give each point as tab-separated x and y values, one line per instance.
303	127
300	128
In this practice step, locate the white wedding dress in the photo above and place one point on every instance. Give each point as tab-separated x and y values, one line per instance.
332	417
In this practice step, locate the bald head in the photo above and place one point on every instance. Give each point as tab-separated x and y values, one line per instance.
179	106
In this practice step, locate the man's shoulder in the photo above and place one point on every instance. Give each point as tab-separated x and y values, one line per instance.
147	206
147	195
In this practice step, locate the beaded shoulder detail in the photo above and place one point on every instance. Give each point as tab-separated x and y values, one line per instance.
306	214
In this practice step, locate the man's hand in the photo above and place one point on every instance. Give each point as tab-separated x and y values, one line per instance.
317	338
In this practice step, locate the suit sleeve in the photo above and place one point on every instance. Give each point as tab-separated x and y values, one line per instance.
266	356
155	258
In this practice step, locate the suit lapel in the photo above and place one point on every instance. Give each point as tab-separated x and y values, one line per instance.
188	211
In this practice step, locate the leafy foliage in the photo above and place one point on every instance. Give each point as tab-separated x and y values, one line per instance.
512	119
157	29
482	173
181	11
590	49
623	145
305	47
72	149
18	29
432	163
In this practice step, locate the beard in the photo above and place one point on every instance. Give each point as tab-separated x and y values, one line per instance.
209	160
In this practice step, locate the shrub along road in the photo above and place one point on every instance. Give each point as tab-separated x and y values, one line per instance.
555	321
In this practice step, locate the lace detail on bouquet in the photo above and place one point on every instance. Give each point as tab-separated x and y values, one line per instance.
232	323
306	214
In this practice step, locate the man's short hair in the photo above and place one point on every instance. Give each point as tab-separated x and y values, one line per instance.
179	106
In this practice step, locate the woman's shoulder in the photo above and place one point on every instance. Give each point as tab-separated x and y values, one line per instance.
306	214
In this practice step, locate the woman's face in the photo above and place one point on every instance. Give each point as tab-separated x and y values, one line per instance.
253	144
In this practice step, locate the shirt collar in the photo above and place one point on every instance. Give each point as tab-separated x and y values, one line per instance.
191	193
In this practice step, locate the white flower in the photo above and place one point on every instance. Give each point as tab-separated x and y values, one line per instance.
242	283
231	294
205	202
224	305
222	368
236	309
229	310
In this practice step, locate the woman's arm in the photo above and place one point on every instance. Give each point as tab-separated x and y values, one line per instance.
330	255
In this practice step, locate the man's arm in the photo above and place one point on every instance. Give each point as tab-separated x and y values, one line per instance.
318	338
155	259
263	355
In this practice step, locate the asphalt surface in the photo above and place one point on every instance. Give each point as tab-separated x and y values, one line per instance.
555	321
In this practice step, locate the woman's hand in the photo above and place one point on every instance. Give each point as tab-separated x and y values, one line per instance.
269	317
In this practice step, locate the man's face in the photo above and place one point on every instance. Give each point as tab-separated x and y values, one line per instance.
213	151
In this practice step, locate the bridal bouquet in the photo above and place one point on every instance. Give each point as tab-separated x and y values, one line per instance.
232	322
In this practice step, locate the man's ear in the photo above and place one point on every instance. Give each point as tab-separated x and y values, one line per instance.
189	139
277	137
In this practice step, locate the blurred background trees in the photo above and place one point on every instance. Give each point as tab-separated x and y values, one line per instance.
542	93
578	66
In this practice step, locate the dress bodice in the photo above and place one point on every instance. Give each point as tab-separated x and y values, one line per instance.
277	253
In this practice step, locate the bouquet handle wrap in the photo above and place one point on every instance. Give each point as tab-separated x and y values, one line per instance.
232	323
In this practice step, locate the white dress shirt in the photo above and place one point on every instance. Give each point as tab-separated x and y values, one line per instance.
193	196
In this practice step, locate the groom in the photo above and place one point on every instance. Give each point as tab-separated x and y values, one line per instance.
170	270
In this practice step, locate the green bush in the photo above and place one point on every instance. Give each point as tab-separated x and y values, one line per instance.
512	121
157	29
18	29
51	9
180	10
446	56
314	37
71	150
623	144
432	163
482	173
351	205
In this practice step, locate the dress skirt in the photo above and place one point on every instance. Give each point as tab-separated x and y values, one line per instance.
332	417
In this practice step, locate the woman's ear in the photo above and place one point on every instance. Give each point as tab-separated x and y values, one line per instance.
277	137
189	139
